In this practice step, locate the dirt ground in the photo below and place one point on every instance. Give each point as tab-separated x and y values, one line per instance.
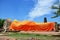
6	38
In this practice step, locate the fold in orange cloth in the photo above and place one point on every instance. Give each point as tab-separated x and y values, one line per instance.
31	26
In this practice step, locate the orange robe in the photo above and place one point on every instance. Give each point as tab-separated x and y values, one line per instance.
32	26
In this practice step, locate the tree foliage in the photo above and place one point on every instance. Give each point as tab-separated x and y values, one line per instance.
57	13
1	22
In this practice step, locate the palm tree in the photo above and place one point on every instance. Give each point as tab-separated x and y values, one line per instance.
57	13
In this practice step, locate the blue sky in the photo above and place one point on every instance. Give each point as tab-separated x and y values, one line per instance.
34	10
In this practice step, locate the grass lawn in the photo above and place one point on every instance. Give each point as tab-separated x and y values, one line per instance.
27	35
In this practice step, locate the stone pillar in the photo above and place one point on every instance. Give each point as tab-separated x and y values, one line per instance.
6	24
56	27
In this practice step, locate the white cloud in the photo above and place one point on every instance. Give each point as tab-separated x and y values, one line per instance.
41	8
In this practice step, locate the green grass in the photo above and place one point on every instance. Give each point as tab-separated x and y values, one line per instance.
23	35
27	35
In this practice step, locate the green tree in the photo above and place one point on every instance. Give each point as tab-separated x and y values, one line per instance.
1	22
57	13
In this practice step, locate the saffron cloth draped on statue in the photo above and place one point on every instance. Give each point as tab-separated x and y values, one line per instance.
31	26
